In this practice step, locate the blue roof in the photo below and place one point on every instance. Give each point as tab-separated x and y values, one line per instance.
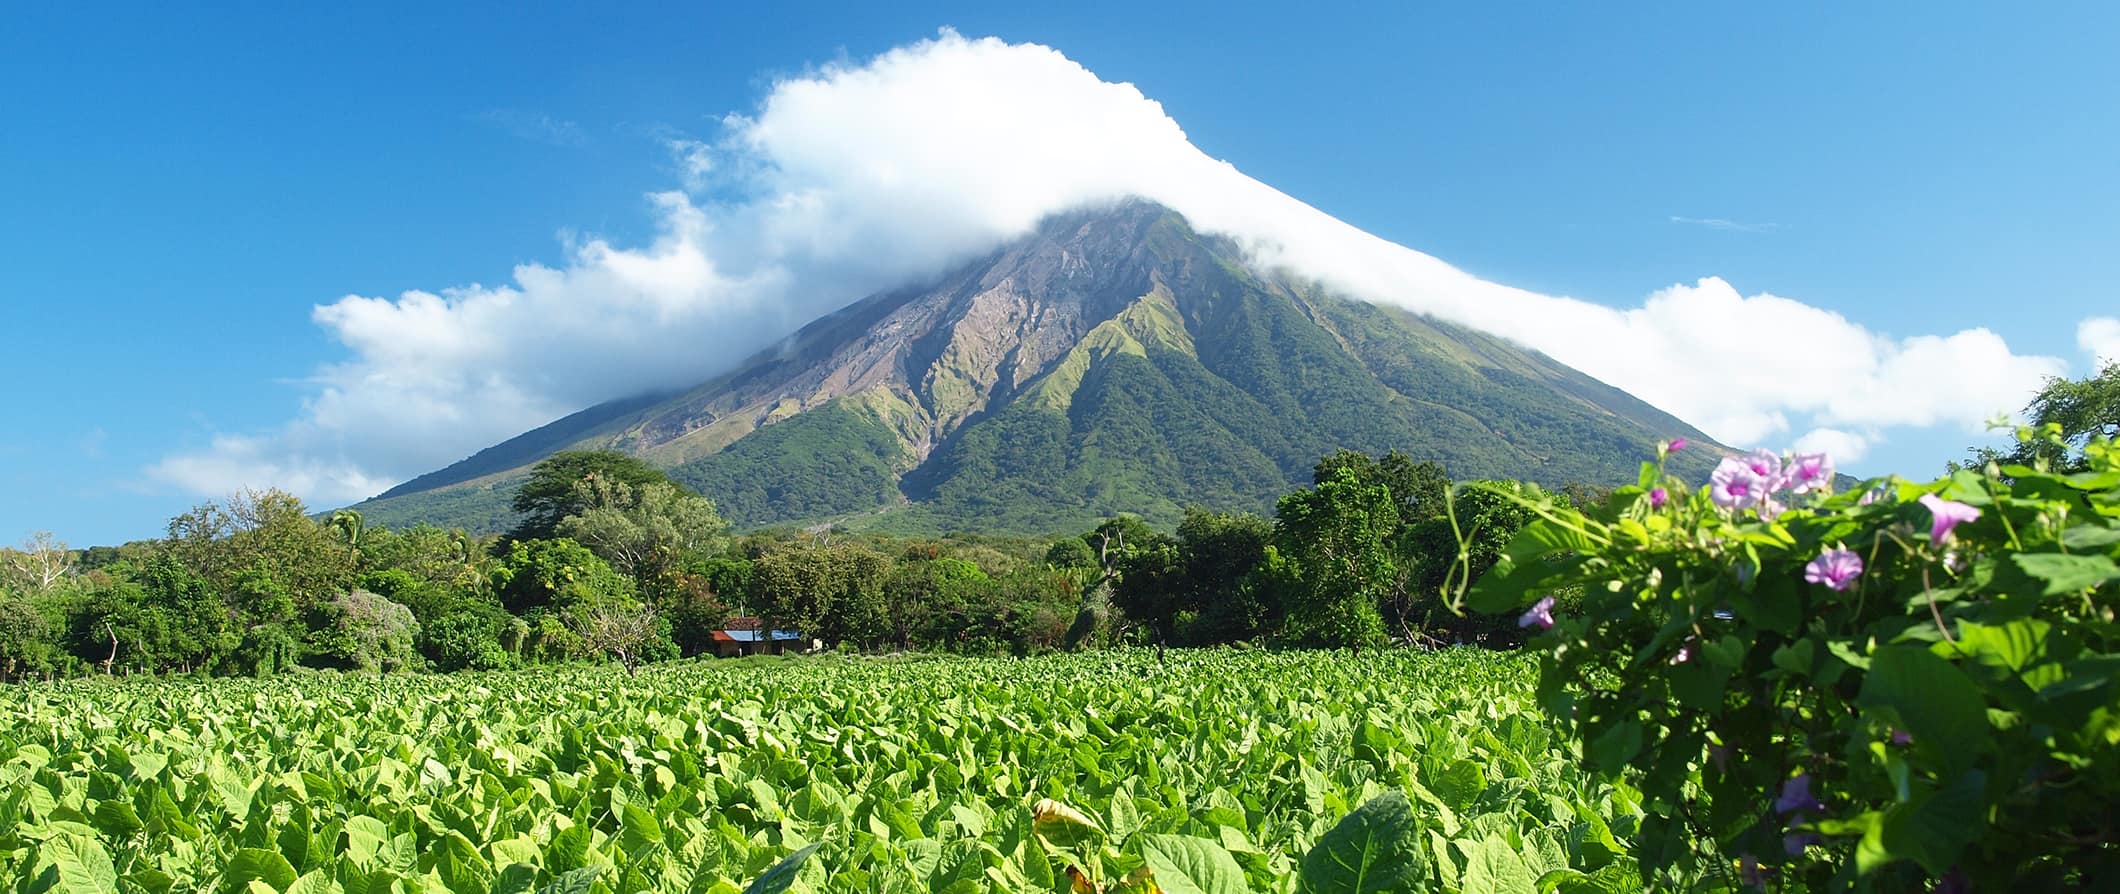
759	636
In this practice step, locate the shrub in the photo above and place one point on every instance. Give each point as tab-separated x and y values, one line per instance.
1901	681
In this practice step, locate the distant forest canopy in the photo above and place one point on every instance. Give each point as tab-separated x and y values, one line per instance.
614	560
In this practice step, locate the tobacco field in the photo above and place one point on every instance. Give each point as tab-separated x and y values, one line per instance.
1208	771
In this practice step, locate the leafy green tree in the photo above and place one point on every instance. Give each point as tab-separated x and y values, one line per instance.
928	601
1149	587
1418	488
1071	553
559	574
471	638
693	609
1219	552
439	560
25	637
268	532
1333	539
645	531
832	592
554	489
2070	412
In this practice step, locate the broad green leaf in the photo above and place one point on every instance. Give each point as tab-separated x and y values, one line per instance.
257	864
83	866
1376	848
1934	700
117	819
576	881
2065	574
1495	868
1186	865
315	881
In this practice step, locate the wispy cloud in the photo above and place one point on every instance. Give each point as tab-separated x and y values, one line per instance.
536	126
1728	226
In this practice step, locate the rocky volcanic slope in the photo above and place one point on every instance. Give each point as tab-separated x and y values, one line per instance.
1112	361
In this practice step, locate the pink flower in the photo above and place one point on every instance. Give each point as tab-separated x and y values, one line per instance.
1809	472
1766	465
1658	497
1948	514
1677	444
1836	568
1540	613
1733	484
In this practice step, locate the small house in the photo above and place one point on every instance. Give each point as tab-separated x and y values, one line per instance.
749	636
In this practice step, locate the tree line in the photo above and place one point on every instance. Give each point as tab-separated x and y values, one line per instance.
612	559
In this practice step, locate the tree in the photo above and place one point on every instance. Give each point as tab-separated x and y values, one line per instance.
553	491
620	631
644	531
559	574
2072	412
1418	488
363	631
1333	542
268	532
24	637
1219	552
41	563
834	593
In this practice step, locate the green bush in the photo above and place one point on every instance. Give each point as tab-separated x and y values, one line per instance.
1868	689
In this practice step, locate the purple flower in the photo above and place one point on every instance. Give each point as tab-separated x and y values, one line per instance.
1658	497
1540	613
1809	472
1796	796
1902	737
1766	465
1948	514
1677	444
1837	568
1733	484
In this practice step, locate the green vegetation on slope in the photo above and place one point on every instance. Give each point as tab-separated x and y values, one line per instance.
832	460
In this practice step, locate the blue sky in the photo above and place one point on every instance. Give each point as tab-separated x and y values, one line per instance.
182	189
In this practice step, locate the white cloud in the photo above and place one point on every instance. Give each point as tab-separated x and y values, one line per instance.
695	160
2100	338
855	177
1843	446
